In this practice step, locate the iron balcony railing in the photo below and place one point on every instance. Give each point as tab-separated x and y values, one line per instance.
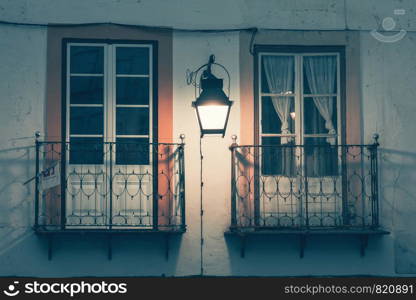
124	185
304	187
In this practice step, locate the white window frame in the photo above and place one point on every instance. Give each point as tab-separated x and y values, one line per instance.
109	119
299	96
109	102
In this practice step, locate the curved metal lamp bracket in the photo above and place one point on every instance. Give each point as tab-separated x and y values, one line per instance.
193	76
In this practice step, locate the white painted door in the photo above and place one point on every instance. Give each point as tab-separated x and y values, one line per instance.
109	117
299	97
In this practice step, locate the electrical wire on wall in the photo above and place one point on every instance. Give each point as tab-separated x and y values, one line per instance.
155	27
201	209
2	22
253	30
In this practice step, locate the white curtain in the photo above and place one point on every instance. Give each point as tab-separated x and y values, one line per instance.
279	72
321	74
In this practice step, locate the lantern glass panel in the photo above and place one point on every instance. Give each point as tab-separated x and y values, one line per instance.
213	116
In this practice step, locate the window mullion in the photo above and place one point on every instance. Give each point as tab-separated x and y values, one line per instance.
150	133
339	115
110	100
260	99
68	100
298	101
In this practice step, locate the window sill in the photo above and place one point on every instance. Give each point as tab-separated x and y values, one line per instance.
362	233
317	231
163	232
107	231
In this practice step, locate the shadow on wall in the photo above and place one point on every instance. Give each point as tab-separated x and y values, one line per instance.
86	255
23	253
268	255
398	205
17	165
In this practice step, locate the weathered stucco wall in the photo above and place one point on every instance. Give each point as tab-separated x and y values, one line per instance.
286	14
22	98
388	72
387	88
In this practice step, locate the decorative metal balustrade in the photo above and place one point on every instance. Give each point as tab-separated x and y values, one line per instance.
125	185
304	187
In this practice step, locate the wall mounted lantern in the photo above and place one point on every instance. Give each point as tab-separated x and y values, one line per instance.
212	105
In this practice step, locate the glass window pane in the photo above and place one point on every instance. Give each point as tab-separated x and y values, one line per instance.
132	151
320	157
275	108
320	115
86	120
277	74
132	90
132	121
87	59
320	74
277	158
132	60
86	151
86	90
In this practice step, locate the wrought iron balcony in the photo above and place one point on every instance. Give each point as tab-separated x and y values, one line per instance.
122	186
304	188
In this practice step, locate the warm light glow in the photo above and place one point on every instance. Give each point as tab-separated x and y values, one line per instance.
213	116
293	115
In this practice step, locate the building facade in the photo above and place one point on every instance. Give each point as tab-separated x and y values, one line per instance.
313	177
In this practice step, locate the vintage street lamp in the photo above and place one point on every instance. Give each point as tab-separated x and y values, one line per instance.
212	105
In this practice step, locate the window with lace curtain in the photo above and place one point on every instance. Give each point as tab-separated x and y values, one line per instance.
299	104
